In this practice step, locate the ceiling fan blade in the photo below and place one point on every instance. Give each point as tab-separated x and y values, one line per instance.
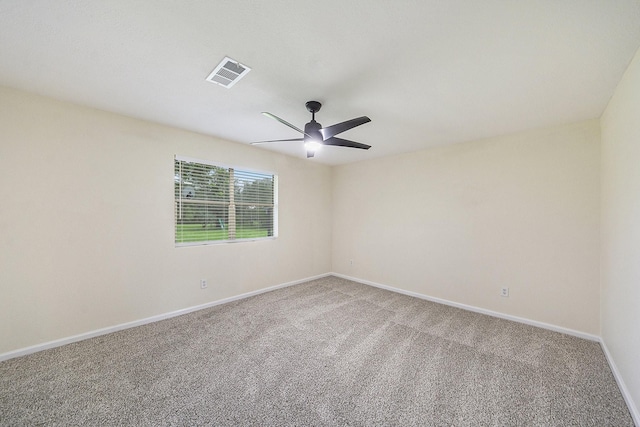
277	140
310	153
339	142
330	131
284	122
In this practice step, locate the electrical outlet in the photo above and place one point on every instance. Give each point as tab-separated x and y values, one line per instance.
351	262
203	284
504	291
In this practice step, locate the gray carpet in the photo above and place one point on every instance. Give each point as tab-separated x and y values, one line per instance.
327	352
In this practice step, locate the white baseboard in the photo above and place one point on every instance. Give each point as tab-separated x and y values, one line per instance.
633	410
475	309
110	329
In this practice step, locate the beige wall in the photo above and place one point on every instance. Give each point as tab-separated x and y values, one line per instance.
621	229
86	222
459	222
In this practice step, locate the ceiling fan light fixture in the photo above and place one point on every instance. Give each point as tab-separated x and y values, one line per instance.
313	145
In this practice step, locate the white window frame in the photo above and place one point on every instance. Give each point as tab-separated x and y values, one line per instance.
177	204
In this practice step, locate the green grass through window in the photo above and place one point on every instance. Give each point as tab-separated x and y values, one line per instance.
197	233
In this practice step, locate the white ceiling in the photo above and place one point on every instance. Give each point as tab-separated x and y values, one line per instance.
427	72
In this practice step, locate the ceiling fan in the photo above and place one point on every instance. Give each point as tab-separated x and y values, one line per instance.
315	136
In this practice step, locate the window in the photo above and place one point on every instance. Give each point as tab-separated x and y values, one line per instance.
217	203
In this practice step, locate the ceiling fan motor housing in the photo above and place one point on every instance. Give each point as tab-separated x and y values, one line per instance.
313	130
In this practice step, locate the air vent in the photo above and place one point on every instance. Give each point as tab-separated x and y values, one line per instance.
228	72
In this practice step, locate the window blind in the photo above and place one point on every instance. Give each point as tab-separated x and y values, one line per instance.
215	203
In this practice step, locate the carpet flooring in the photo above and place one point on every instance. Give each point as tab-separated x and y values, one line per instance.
329	352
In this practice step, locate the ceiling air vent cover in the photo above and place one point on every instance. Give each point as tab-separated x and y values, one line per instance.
228	72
